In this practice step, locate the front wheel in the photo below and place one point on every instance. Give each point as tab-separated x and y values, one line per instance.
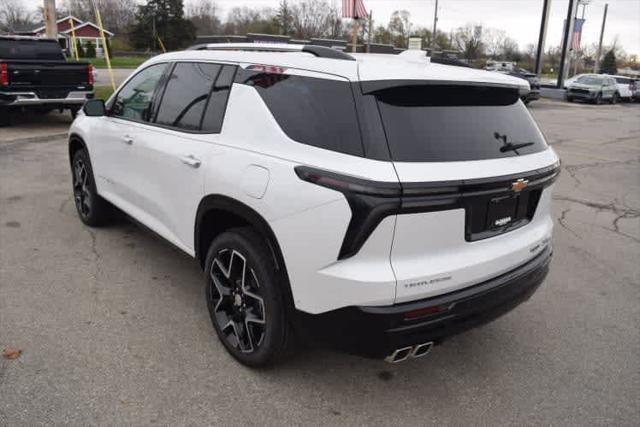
92	209
245	298
598	99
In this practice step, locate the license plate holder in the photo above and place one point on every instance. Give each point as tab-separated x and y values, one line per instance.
501	211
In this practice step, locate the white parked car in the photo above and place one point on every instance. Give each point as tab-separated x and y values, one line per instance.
626	87
378	205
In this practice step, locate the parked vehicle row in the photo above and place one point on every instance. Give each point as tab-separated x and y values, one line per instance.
35	76
597	88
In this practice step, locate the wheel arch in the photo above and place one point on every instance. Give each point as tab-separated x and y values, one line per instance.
217	213
76	143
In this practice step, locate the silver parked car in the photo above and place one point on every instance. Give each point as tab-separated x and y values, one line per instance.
594	88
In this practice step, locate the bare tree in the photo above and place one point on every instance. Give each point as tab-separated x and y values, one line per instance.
399	27
242	20
204	15
117	15
14	16
314	18
468	40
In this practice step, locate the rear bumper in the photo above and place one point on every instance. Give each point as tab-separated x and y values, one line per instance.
26	99
533	95
378	331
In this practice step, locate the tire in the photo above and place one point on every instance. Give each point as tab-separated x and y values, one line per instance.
5	117
250	316
92	209
569	99
598	99
614	98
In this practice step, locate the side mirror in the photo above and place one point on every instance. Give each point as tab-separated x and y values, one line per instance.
94	108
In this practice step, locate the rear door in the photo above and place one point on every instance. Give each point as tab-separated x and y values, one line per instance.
464	155
177	149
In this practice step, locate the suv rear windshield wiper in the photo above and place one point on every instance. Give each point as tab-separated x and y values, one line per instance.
513	147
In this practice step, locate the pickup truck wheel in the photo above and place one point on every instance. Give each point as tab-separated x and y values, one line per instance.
92	209
73	112
5	117
245	298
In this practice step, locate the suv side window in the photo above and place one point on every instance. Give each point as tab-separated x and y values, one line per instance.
186	93
313	111
134	99
214	113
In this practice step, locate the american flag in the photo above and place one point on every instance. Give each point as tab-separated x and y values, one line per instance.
577	34
353	9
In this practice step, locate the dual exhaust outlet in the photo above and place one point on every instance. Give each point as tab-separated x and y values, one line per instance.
404	353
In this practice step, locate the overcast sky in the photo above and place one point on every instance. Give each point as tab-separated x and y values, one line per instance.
519	18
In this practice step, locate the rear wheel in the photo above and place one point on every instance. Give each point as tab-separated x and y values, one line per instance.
5	116
598	99
569	99
73	112
245	298
614	98
92	209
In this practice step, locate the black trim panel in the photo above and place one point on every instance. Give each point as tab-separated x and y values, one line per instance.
372	201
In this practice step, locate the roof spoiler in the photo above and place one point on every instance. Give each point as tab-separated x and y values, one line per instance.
319	51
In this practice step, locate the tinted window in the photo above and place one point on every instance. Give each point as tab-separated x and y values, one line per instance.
454	123
589	80
30	49
186	95
312	111
623	80
214	114
134	99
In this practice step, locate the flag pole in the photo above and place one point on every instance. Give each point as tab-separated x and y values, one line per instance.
354	35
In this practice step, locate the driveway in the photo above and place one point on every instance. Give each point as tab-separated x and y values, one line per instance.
113	326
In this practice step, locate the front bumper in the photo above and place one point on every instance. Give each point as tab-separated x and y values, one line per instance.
533	95
378	331
26	99
590	96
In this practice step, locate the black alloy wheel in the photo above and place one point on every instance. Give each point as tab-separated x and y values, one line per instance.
92	209
238	306
246	298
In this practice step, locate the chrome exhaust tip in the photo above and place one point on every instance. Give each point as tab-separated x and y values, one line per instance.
414	351
399	355
422	349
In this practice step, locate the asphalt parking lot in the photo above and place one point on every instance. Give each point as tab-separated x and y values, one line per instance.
113	326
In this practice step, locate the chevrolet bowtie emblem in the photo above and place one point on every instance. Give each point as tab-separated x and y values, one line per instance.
519	185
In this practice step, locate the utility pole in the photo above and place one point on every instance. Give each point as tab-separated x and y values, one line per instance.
370	31
435	26
49	11
584	4
596	67
543	36
566	41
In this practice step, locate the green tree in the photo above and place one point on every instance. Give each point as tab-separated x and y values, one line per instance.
608	64
91	50
167	17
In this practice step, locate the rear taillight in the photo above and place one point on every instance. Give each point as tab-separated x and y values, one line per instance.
90	74
4	75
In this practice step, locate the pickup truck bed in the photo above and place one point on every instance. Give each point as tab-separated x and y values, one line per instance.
35	74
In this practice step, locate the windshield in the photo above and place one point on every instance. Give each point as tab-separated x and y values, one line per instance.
456	123
590	80
30	49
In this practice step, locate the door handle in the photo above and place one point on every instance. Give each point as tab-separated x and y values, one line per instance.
127	140
190	160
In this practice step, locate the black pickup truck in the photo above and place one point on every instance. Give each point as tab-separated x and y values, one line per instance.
35	75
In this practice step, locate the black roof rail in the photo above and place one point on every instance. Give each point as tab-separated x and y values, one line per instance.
319	51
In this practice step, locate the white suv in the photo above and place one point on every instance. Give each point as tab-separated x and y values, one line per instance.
376	203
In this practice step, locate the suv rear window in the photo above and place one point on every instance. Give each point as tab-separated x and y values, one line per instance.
30	49
312	111
623	80
429	123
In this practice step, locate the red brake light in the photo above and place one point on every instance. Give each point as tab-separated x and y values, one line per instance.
426	311
90	74
4	75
